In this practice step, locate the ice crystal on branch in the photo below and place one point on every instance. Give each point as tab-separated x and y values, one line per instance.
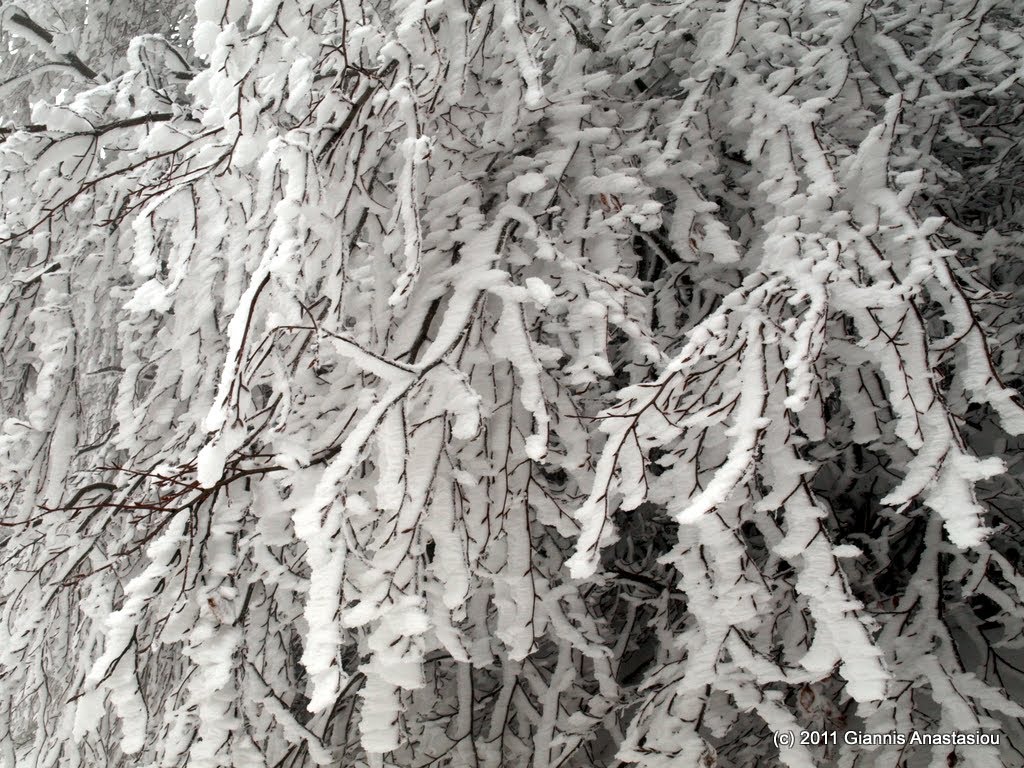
504	382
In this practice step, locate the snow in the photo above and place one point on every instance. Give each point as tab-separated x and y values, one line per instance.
210	464
544	385
528	183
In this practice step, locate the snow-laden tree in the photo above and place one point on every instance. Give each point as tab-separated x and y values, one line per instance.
515	383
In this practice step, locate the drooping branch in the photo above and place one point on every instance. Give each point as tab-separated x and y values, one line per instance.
22	25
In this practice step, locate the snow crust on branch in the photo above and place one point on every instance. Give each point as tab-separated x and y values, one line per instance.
506	383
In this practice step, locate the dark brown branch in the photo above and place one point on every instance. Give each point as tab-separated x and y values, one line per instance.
19	18
131	122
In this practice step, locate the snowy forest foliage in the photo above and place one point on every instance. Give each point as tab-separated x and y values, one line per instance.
506	383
